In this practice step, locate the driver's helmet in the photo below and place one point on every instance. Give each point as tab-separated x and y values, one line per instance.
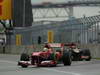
76	50
45	49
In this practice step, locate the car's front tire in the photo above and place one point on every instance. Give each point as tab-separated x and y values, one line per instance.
24	57
24	66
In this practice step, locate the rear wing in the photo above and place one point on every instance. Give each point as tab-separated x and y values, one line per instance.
56	45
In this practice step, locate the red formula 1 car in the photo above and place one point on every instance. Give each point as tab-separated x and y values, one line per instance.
54	54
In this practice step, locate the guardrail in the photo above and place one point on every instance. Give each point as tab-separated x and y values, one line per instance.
94	48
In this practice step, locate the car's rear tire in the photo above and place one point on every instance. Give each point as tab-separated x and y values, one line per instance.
88	58
66	58
86	52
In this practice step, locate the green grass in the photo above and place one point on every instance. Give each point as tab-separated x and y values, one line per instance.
97	58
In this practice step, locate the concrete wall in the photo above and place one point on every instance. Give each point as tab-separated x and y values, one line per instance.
20	49
95	49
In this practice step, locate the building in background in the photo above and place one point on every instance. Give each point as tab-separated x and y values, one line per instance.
22	13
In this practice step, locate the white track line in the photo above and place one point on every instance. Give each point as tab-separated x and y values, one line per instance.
54	70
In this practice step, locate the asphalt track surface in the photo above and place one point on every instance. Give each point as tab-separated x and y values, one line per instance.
8	66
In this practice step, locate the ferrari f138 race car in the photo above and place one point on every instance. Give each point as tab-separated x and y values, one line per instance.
51	55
